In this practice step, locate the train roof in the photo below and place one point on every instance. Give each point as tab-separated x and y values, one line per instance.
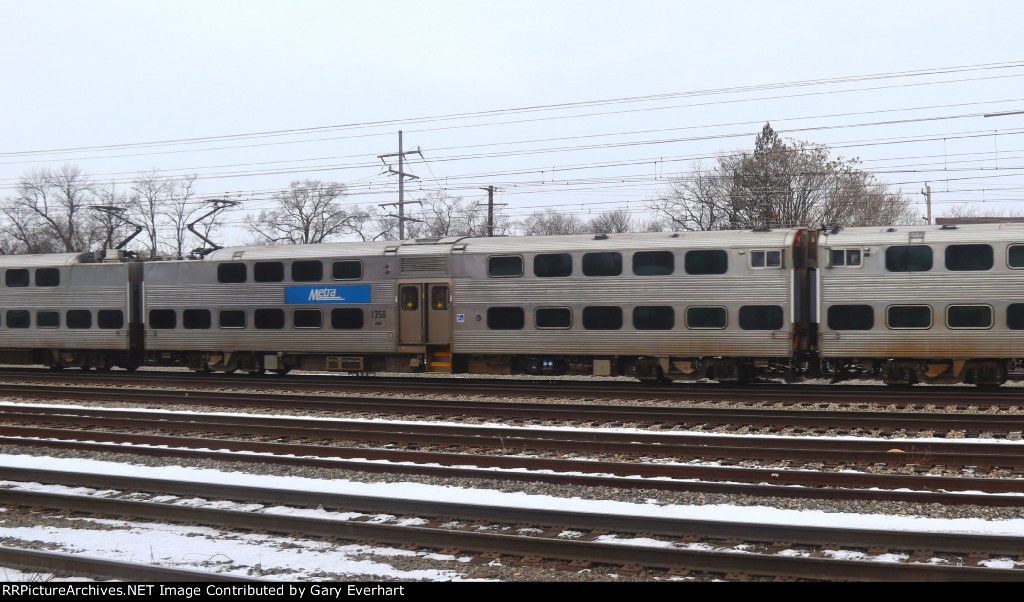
921	234
47	260
512	244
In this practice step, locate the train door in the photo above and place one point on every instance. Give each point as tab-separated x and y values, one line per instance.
424	313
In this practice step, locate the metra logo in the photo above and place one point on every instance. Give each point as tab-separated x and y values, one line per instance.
324	294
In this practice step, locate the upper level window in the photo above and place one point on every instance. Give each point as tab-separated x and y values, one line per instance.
347	269
1015	256
653	263
47	277
268	271
914	258
552	265
16	278
969	257
231	272
602	264
765	259
505	266
307	271
706	262
846	258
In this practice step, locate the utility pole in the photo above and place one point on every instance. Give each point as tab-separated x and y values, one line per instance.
927	193
490	209
401	182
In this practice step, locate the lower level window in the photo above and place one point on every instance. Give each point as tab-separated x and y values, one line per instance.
505	318
969	316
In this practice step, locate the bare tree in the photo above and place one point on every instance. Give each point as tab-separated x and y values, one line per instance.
549	221
780	184
50	211
309	212
150	191
611	222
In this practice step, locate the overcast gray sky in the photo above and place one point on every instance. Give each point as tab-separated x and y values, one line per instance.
310	89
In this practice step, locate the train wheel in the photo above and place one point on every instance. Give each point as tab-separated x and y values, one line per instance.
282	371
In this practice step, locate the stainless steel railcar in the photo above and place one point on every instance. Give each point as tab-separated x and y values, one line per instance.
726	305
66	310
926	304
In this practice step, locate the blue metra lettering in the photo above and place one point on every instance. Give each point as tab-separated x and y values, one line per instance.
349	293
324	294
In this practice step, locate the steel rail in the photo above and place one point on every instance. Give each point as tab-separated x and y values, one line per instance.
509	439
524	545
954	543
674	477
76	564
971	423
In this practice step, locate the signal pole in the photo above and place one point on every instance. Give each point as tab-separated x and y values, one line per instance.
401	182
927	193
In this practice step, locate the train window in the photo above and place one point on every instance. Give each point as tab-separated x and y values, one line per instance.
851	317
197	319
1015	316
602	264
111	319
845	258
18	318
761	317
915	258
159	318
505	266
16	278
307	271
48	319
79	318
552	265
765	259
410	298
47	277
602	318
439	297
969	316
553	317
908	316
969	257
654	317
505	318
268	319
231	272
706	262
653	263
307	318
705	317
268	271
1015	256
347	270
232	318
346	318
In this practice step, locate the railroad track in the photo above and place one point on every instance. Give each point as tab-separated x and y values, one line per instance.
961	423
596	389
715	549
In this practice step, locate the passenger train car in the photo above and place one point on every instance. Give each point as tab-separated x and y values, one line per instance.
907	304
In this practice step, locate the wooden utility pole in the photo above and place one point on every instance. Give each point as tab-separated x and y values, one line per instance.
490	209
401	182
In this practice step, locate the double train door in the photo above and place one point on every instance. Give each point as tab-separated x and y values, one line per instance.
424	313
